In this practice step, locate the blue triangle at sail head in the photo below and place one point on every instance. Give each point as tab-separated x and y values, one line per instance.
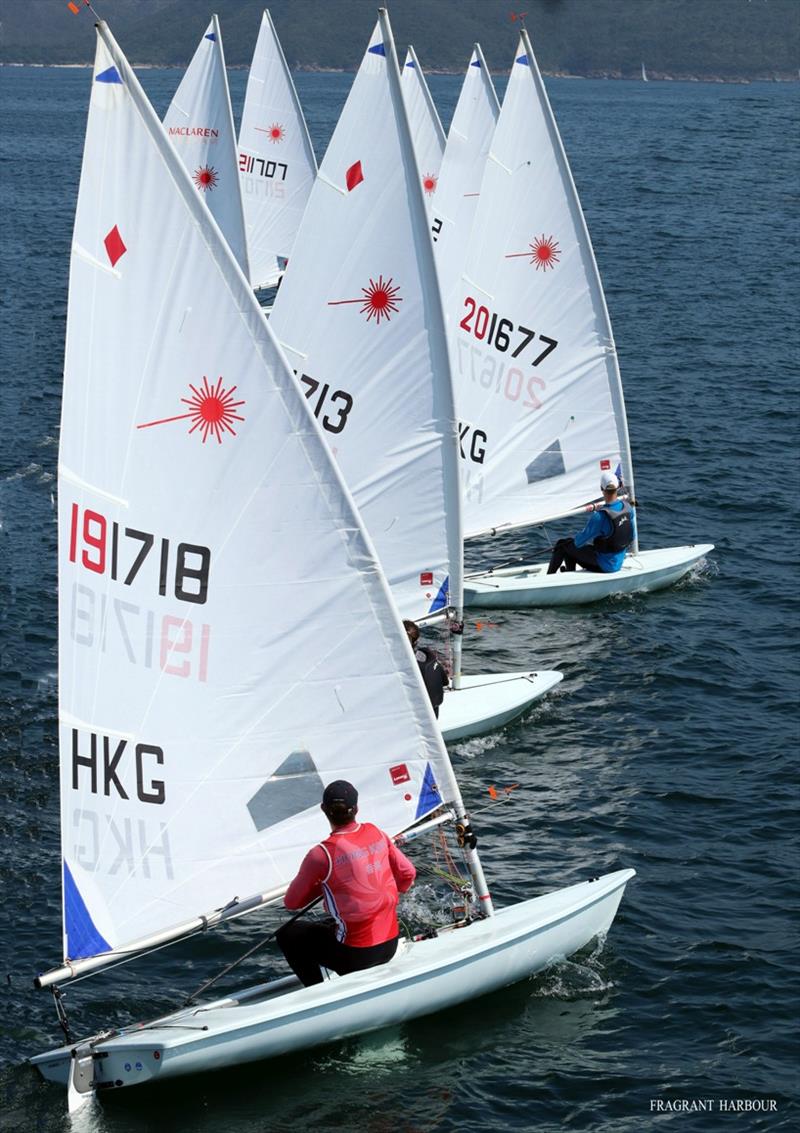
429	797
212	37
475	63
410	63
377	49
111	75
83	939
442	598
523	59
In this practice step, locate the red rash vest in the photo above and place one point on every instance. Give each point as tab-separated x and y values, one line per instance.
360	873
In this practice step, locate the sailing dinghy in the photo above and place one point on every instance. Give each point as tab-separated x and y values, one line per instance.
277	165
536	369
199	123
227	641
360	316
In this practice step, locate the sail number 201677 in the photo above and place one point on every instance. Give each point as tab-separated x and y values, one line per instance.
180	570
501	333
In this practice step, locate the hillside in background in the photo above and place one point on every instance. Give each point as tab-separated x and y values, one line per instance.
676	38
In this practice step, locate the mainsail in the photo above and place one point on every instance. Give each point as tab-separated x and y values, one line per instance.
277	166
426	129
534	359
468	142
227	641
199	123
360	317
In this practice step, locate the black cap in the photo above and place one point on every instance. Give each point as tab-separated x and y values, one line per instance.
340	792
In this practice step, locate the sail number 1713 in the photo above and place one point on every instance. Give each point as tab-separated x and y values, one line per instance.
99	546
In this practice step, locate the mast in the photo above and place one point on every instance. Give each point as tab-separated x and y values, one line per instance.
439	353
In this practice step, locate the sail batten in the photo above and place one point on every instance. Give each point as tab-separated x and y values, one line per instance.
227	639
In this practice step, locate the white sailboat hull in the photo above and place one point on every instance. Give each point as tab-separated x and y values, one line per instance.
531	586
486	702
425	976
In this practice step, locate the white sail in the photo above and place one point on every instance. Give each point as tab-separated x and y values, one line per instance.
277	166
468	142
227	641
426	129
199	123
360	318
534	358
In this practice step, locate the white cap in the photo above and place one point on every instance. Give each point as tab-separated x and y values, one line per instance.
608	480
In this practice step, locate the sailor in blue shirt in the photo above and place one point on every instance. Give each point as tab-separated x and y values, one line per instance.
602	545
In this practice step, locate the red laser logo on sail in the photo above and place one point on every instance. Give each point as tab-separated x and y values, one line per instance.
544	253
275	132
211	411
205	178
379	300
429	182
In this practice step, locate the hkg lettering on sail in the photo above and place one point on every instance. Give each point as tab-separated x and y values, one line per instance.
117	767
135	847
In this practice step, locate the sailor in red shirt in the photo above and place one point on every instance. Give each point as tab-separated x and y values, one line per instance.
360	873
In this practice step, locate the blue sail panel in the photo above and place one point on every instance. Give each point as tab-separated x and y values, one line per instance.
442	598
83	939
429	797
111	75
378	49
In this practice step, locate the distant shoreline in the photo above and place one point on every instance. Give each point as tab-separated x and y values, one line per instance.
609	75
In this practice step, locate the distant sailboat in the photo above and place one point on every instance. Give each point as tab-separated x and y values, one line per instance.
277	165
426	129
644	74
227	645
199	123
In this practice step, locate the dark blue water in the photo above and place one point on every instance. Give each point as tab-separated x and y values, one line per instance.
671	745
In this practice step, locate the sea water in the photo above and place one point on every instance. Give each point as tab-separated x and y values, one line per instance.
670	746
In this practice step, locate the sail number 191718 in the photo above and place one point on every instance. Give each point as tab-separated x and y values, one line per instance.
102	547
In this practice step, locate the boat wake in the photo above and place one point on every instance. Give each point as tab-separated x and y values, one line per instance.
575	978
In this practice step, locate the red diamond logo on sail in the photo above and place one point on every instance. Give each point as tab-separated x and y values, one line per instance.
426	578
354	176
399	774
114	246
429	183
